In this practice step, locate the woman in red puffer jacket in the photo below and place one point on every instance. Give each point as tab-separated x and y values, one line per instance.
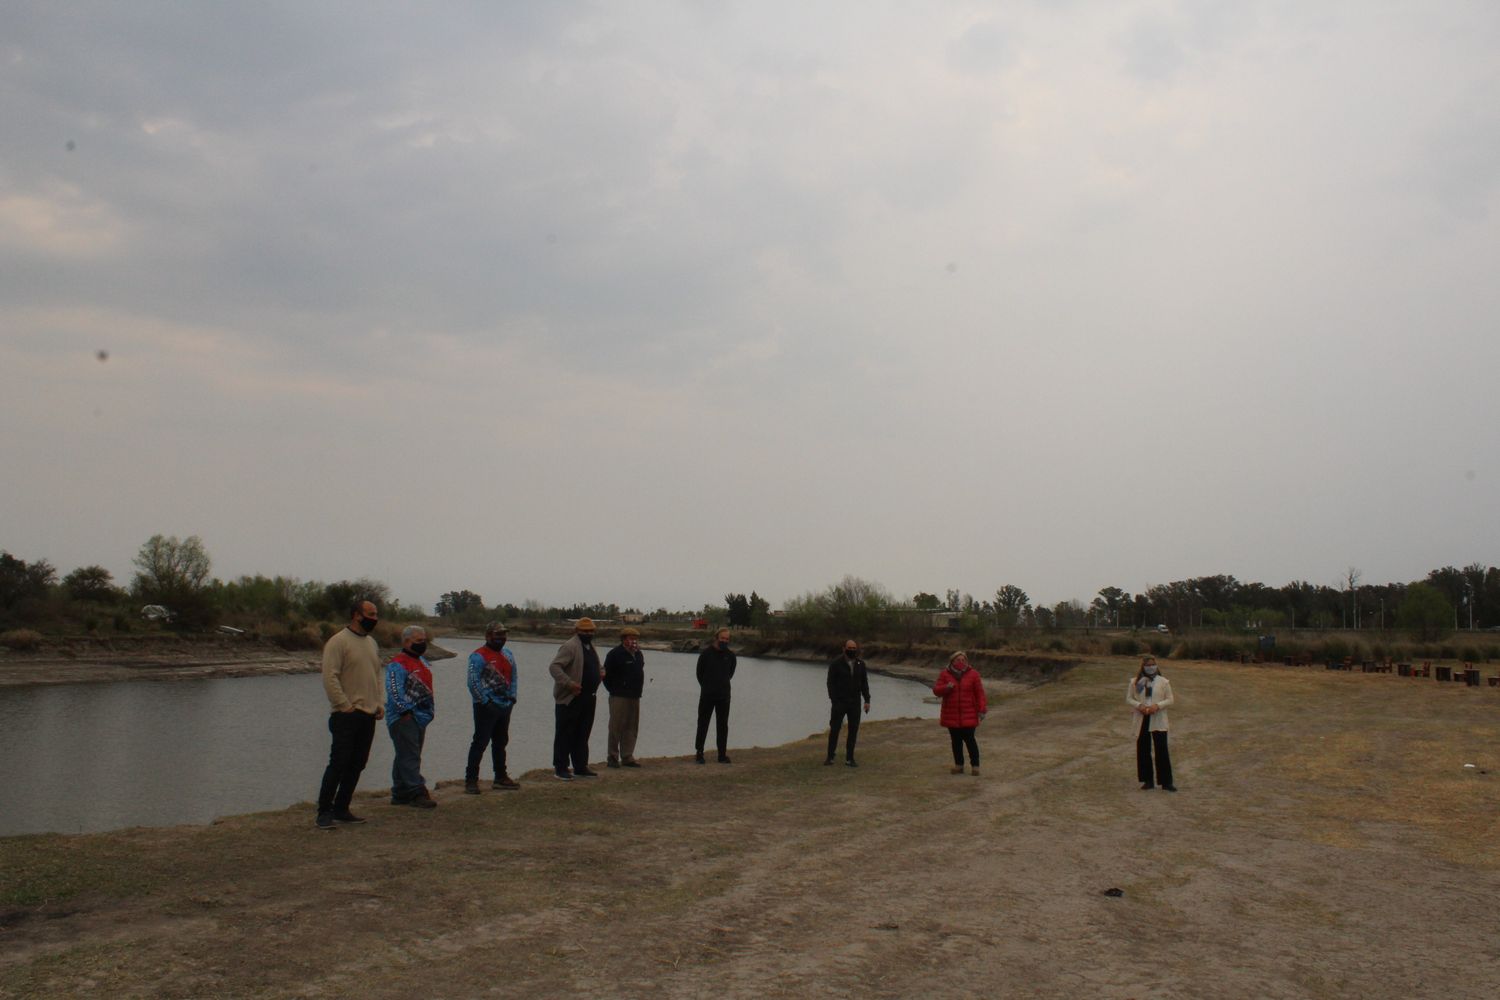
964	707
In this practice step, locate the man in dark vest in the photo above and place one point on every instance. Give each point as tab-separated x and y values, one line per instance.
847	681
715	668
625	678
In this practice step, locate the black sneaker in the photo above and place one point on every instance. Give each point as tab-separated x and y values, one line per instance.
630	762
346	816
325	821
828	762
471	787
850	763
583	772
1169	788
724	759
562	774
611	763
699	758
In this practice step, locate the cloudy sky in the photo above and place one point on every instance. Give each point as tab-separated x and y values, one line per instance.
647	302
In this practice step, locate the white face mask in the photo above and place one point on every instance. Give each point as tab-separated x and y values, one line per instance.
1151	670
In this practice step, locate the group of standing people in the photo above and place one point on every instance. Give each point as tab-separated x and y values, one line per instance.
362	692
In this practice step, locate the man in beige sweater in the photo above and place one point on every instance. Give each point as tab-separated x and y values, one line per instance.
352	677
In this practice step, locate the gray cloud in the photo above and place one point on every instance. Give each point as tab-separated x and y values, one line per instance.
1211	266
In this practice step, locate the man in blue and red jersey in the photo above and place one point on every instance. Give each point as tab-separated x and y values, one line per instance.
409	707
492	685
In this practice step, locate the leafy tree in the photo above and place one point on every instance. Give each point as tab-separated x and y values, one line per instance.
926	602
1069	613
21	582
92	583
169	568
456	603
1425	612
739	609
1011	598
333	603
760	609
174	572
1110	603
1011	604
850	607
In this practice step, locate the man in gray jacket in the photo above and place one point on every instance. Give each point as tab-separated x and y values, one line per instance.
575	679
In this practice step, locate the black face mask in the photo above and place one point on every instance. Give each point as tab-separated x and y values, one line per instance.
418	648
587	640
495	644
368	624
853	654
724	645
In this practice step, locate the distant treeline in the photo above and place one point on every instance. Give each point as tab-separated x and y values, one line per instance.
175	574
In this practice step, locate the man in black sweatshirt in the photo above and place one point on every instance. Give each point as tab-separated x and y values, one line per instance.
715	668
847	680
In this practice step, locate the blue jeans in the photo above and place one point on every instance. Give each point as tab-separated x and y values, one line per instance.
492	731
406	770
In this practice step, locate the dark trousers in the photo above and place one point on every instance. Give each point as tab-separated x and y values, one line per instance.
570	740
353	732
407	738
836	721
1143	746
964	738
719	709
491	732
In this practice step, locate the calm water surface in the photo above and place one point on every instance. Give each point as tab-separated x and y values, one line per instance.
89	757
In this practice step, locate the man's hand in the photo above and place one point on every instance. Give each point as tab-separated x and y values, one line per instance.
379	712
576	688
867	708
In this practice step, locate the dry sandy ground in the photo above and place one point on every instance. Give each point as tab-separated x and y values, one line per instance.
1326	842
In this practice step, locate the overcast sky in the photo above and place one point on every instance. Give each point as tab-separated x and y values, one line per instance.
647	302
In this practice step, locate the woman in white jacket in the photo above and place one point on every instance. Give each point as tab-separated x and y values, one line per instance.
1150	695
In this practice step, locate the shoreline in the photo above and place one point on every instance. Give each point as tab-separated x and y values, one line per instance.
191	660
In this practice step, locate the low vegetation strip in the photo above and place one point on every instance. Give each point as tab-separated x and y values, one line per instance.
1326	832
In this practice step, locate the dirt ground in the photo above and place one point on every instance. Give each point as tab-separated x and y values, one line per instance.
1326	841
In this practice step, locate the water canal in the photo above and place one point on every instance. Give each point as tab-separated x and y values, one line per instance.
91	757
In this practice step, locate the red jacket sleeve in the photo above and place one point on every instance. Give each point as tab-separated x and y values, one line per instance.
944	685
984	705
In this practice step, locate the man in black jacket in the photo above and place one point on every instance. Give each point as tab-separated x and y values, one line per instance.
847	680
624	678
715	667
